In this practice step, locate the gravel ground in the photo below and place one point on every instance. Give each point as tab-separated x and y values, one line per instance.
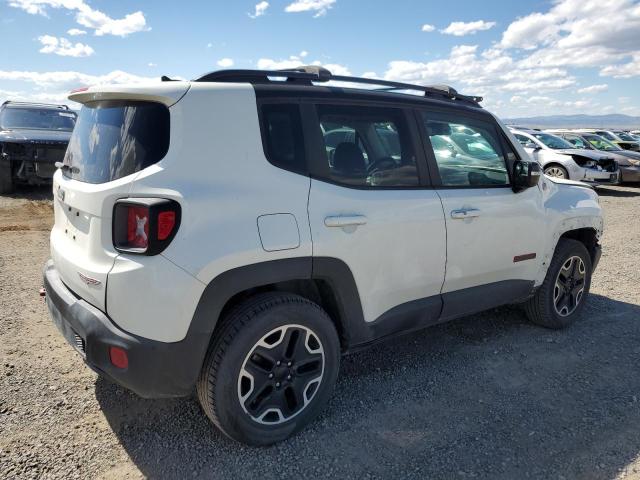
487	396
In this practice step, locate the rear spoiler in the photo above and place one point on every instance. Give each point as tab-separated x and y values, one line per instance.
167	93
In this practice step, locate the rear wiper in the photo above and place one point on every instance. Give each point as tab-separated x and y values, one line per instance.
69	168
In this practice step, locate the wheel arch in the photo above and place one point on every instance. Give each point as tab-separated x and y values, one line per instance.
325	281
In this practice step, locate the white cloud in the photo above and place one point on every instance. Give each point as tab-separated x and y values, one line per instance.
625	70
303	54
594	88
76	31
296	61
459	29
580	33
63	47
225	62
67	80
320	7
260	9
54	87
428	28
151	64
99	22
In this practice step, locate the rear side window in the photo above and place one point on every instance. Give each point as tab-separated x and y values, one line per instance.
282	136
113	139
468	152
367	146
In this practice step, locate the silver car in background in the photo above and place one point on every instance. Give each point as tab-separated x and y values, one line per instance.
560	159
628	161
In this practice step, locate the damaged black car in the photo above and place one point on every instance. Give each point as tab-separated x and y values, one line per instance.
33	137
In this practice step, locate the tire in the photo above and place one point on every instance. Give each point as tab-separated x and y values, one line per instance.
543	309
234	381
556	171
6	180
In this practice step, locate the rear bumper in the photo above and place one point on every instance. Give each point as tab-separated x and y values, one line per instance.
155	370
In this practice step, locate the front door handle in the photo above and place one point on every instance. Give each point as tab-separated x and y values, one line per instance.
463	213
345	220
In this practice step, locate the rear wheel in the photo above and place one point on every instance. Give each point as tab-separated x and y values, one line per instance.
271	369
561	297
556	171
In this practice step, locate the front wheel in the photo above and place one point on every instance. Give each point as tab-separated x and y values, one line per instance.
561	297
271	369
556	171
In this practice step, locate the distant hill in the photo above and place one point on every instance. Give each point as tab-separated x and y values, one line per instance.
614	120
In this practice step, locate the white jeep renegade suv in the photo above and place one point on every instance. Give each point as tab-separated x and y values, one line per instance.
236	234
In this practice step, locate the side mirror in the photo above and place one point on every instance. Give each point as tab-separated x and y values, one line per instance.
525	175
532	146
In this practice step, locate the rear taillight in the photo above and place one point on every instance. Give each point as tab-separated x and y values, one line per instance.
145	225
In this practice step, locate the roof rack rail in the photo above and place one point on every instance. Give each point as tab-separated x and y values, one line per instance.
13	102
312	73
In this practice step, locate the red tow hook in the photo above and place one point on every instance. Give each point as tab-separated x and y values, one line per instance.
43	292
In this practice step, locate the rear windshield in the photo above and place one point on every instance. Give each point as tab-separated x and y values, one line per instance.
13	118
113	139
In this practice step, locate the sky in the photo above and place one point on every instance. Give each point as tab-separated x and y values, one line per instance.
526	58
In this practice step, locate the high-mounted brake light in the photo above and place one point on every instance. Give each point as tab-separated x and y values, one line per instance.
80	89
144	226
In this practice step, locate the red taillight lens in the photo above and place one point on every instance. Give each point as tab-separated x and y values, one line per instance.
145	225
166	222
118	357
137	227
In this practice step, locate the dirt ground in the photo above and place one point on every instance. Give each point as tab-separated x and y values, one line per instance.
487	396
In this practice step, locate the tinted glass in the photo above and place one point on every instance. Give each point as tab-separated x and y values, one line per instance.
367	146
37	118
283	137
552	141
602	143
625	136
606	135
524	141
576	142
467	152
114	139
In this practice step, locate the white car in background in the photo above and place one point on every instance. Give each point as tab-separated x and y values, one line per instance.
560	159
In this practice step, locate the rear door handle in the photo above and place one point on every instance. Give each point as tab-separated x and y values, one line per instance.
345	220
463	213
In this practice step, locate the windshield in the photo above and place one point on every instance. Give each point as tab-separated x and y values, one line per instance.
113	139
552	141
626	137
13	118
601	143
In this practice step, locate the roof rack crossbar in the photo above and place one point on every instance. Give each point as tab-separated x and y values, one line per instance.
313	73
13	102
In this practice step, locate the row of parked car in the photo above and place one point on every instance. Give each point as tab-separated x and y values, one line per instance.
595	156
33	137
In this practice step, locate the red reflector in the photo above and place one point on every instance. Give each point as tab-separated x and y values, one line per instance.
166	222
118	357
78	90
138	227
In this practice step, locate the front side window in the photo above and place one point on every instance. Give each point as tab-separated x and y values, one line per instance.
113	139
468	153
367	146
